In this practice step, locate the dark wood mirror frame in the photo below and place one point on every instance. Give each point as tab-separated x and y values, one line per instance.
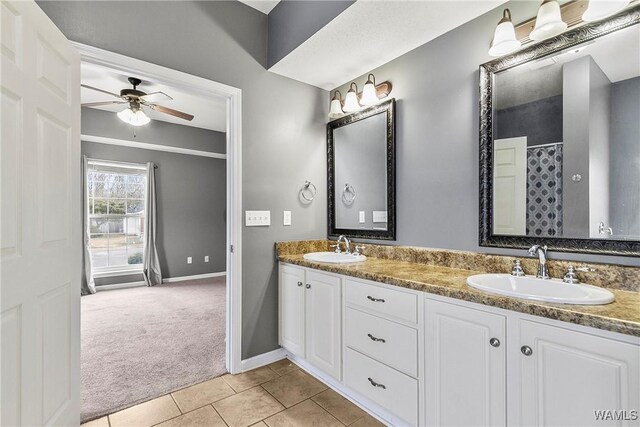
388	108
570	38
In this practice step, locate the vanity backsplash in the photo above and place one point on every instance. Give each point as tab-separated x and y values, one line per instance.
605	275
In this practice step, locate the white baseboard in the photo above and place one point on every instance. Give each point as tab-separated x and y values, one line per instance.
120	286
194	277
262	359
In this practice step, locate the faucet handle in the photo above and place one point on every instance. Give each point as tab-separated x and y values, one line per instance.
358	250
517	269
337	248
585	269
571	277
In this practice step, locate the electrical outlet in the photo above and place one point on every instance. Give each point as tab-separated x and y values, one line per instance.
286	218
206	258
257	218
361	216
189	260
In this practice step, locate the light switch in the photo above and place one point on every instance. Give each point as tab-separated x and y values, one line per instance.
206	258
362	220
257	218
379	216
189	260
286	218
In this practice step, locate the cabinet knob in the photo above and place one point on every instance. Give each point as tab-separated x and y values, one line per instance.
526	350
308	286
375	384
495	342
299	283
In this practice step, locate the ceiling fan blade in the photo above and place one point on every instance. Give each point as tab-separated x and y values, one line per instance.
98	104
156	96
170	111
101	90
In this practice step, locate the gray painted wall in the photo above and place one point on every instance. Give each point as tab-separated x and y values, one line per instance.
436	88
283	132
540	121
292	22
361	161
105	123
625	157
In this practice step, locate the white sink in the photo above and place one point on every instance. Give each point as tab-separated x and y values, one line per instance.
334	258
550	290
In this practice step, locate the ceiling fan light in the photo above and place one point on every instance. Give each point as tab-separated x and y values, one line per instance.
351	103
504	38
549	21
599	9
139	118
369	94
126	114
335	109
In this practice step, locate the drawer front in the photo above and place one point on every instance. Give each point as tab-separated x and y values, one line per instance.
388	302
394	391
386	341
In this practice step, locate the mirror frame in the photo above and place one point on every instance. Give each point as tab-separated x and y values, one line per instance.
388	108
573	37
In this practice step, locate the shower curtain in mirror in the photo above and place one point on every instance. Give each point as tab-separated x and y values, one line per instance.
87	285
150	262
544	190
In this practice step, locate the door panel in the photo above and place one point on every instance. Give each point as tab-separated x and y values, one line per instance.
510	186
292	317
462	367
41	220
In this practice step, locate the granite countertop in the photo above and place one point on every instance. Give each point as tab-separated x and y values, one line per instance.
622	315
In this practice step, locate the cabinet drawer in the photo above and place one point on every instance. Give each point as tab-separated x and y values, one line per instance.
396	392
388	302
386	341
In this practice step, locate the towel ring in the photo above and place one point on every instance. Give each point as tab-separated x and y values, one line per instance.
348	199
308	191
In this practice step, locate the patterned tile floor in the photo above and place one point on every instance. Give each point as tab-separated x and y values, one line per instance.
277	395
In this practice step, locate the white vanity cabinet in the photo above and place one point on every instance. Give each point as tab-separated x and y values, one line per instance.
465	366
310	317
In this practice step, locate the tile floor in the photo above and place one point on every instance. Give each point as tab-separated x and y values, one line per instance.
277	395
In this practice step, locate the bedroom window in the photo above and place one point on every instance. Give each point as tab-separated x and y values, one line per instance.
116	199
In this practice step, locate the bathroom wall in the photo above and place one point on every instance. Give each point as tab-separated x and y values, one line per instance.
191	218
283	121
625	135
436	88
540	121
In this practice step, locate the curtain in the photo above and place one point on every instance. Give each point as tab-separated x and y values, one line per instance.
87	286
544	191
150	261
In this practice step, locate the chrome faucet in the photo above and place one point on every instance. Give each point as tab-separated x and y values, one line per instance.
347	243
541	252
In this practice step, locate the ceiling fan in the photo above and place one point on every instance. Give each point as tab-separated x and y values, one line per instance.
134	114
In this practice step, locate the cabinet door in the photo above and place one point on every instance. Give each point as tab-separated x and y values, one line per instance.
464	372
292	312
569	375
323	322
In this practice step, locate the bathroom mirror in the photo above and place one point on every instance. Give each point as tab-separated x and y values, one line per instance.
361	173
560	141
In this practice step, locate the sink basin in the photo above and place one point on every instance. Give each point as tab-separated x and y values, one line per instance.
334	258
550	290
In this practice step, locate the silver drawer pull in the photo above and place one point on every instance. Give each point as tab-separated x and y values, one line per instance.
375	299
375	384
376	339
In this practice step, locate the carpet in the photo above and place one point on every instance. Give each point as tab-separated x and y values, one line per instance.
141	343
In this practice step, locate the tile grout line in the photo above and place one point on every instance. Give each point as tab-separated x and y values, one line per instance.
219	414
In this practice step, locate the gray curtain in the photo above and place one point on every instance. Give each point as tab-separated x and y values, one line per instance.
87	286
150	261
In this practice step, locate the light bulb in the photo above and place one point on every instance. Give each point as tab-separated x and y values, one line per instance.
504	38
351	103
369	94
599	9
126	114
549	21
335	110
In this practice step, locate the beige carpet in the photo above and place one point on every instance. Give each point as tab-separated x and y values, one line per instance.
140	343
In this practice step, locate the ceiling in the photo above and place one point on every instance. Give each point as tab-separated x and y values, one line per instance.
264	6
370	33
209	112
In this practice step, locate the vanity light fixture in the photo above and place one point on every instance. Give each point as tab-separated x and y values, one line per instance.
599	9
504	38
134	115
351	103
369	93
335	111
549	21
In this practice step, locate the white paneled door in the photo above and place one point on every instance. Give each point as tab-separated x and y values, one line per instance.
40	214
510	186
